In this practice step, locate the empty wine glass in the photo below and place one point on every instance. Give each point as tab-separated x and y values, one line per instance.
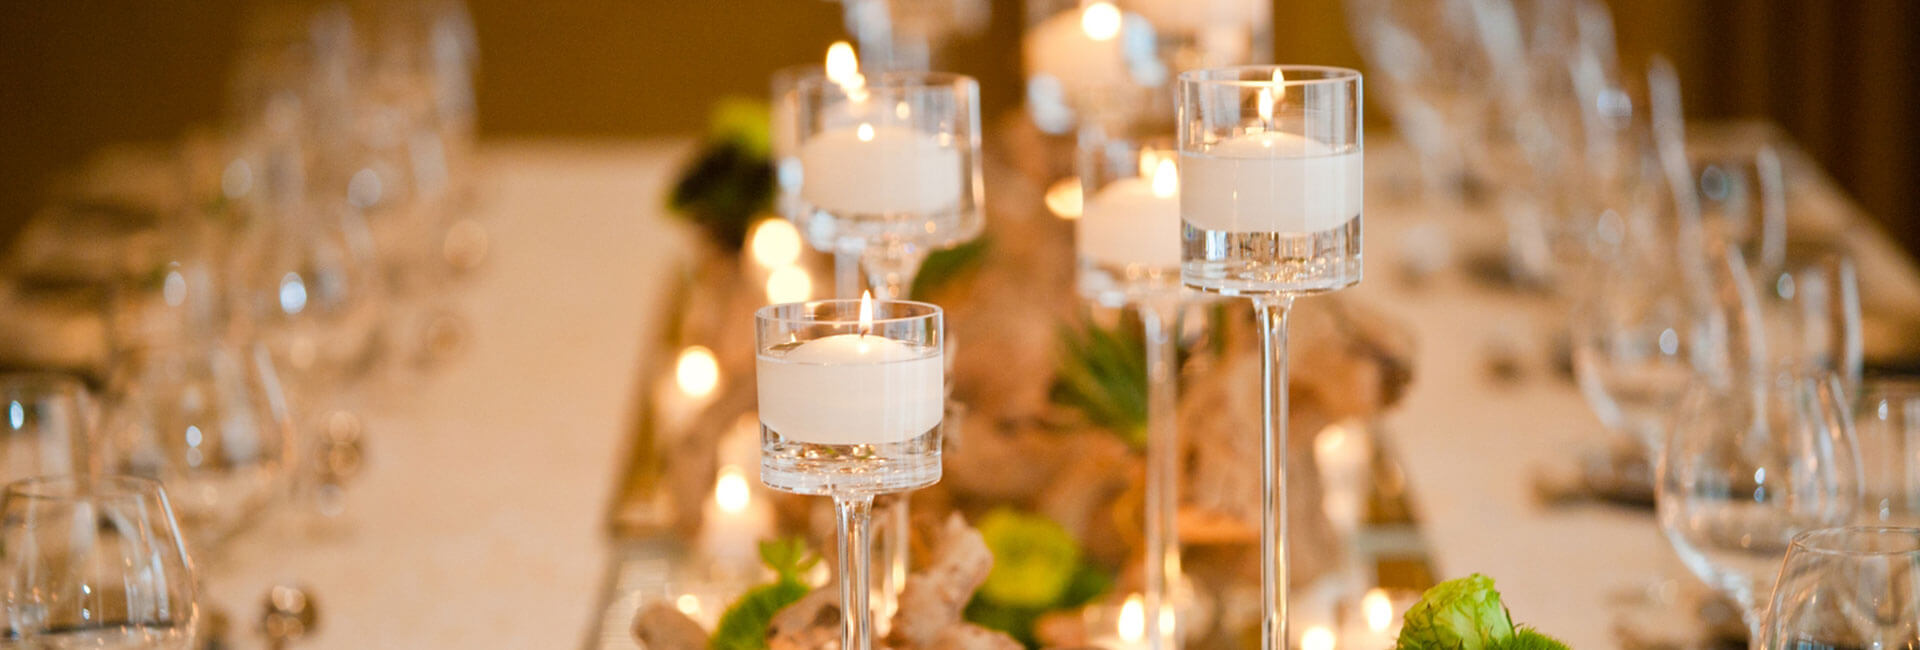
1853	587
47	425
94	563
210	420
1811	307
1886	422
1746	469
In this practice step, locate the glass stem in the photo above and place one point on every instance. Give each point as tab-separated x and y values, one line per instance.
891	545
891	269
846	270
1162	552
855	513
1272	311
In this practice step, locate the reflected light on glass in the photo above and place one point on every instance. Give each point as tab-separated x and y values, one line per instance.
17	415
775	243
697	373
293	294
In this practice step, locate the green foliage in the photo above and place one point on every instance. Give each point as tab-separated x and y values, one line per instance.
1088	583
730	181
943	267
744	625
1103	375
1466	614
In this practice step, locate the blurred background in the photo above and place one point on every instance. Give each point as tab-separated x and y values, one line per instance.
1838	76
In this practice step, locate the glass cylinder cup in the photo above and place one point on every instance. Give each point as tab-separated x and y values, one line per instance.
889	168
1127	236
1271	175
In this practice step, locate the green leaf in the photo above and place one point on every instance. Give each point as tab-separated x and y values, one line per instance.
1103	375
744	625
1459	614
1527	639
789	558
944	267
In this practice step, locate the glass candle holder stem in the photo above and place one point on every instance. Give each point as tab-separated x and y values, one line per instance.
1272	311
1162	549
846	269
891	269
855	516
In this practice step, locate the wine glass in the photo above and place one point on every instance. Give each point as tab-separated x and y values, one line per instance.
208	419
1856	587
1746	469
95	562
1811	307
1743	202
47	423
1886	422
1130	258
890	169
1270	209
851	398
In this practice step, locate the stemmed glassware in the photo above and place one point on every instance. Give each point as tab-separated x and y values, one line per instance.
1129	257
45	425
1270	207
94	562
1853	587
852	393
1886	421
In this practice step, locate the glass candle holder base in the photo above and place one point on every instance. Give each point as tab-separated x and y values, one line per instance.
823	469
1267	263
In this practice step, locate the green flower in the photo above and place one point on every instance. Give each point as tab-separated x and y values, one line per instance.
1033	559
1460	614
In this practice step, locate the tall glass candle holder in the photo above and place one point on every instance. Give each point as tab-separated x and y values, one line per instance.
1270	203
851	395
1130	257
1080	56
889	168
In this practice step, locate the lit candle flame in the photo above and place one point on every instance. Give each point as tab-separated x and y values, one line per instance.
1166	180
1101	21
1133	620
843	66
1317	637
775	243
866	313
697	372
1378	609
865	132
1269	96
730	491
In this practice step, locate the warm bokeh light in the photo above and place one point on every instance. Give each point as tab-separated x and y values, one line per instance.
1317	637
865	132
775	243
789	284
1133	620
1064	198
843	66
730	491
697	372
687	604
1101	20
1378	609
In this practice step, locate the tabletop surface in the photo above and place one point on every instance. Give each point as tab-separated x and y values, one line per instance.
480	520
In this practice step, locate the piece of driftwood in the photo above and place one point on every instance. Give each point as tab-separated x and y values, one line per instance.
931	600
659	626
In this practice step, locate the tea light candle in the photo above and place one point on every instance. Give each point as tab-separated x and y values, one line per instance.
1094	47
1271	182
871	169
853	389
1134	221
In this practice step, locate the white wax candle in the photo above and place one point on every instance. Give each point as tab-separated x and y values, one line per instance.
850	389
1128	223
1270	182
1061	48
866	169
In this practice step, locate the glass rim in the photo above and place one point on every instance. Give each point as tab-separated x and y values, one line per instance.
773	313
1832	541
896	81
1334	75
70	486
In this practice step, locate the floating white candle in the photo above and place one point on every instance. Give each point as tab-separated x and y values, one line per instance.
878	170
1270	182
1094	47
1134	221
852	389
